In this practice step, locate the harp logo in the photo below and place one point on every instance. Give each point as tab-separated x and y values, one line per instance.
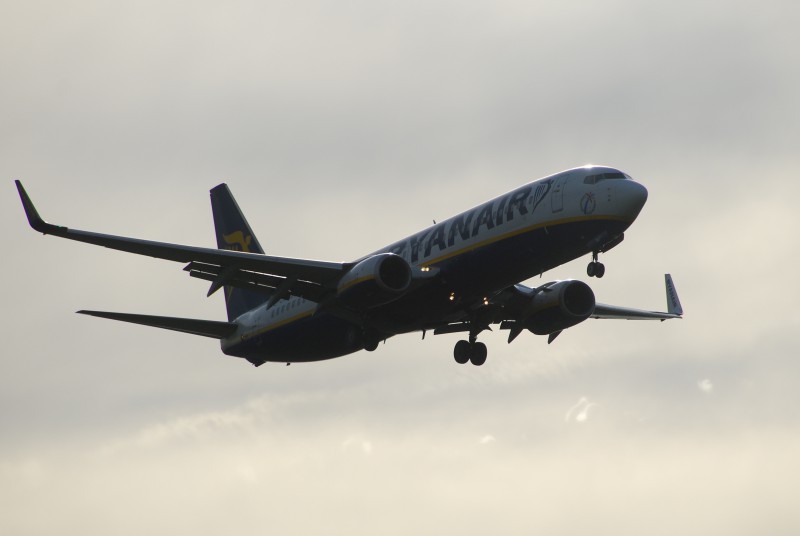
237	241
588	203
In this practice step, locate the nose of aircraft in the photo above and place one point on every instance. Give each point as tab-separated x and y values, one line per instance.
632	197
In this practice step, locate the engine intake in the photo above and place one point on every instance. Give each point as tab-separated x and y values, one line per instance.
375	281
558	305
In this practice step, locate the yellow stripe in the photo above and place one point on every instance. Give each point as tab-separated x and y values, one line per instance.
355	282
517	232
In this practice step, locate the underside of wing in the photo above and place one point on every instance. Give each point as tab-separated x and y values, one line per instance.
674	308
549	309
613	312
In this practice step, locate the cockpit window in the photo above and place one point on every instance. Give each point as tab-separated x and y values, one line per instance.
594	179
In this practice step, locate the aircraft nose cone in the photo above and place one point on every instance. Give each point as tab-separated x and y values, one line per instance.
632	196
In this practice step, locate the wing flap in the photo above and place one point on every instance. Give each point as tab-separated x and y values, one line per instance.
259	282
206	328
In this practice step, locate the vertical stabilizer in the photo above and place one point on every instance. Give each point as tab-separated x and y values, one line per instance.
234	233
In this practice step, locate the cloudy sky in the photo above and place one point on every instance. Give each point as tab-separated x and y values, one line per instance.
341	126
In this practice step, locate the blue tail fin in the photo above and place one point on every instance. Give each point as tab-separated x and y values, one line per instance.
234	233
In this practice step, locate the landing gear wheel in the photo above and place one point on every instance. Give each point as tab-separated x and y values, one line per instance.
478	354
599	270
596	269
462	351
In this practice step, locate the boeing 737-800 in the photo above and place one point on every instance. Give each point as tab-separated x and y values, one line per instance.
460	275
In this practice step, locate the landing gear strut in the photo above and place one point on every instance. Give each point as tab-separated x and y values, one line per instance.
595	269
472	351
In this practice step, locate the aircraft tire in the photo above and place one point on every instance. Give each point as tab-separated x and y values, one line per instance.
462	352
599	270
590	269
478	354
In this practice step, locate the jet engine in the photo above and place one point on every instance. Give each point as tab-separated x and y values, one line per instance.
375	281
556	306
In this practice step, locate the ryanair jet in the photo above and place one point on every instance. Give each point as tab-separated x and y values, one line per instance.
458	276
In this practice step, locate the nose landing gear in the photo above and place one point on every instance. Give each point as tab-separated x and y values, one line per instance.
595	269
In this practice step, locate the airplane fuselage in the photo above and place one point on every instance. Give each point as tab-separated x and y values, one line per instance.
474	255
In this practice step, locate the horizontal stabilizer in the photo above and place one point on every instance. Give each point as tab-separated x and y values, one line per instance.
206	328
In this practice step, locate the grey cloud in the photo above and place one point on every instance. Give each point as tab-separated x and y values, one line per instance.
400	93
341	127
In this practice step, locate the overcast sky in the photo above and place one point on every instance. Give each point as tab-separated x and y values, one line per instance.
340	127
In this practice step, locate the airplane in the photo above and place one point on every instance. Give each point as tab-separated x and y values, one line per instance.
461	275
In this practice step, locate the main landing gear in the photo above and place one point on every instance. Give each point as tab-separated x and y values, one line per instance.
595	269
472	351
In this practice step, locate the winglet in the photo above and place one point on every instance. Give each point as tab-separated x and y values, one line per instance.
673	302
32	214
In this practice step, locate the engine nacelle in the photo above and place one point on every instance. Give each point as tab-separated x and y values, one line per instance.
375	281
558	305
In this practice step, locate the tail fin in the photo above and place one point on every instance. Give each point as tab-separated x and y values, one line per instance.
234	233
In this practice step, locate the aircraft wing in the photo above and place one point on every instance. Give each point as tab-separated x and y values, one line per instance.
614	312
510	304
674	308
229	265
